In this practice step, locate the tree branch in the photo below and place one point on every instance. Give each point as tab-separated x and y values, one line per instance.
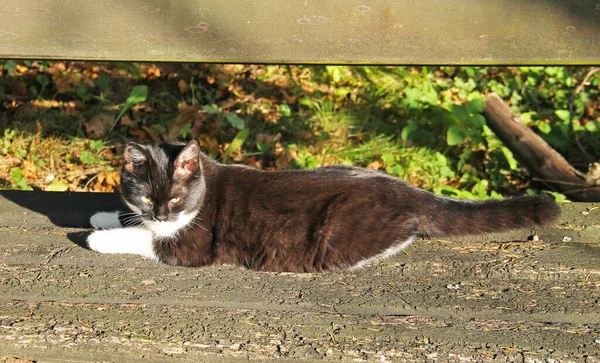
535	154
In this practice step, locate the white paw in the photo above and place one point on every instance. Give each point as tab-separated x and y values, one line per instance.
95	241
105	220
132	240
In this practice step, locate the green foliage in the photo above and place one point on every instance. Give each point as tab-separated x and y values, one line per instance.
237	142
19	180
57	186
87	157
137	95
422	124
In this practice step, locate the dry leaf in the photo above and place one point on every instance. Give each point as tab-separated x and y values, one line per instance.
98	125
209	144
107	182
29	169
268	139
183	86
139	133
21	68
305	135
126	121
66	82
186	117
251	161
375	165
153	71
154	135
285	159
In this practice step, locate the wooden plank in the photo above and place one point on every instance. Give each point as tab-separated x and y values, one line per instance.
304	31
477	301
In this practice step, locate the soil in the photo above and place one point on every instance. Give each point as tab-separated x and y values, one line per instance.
491	298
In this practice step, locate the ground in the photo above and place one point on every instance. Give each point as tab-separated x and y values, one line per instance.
491	298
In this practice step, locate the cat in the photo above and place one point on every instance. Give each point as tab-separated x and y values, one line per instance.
188	210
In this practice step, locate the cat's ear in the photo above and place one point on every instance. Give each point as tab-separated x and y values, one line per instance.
134	157
188	161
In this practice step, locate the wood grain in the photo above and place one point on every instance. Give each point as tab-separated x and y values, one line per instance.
306	31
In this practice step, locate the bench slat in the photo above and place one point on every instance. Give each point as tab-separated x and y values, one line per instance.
304	31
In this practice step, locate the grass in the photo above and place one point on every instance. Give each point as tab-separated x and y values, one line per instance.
66	122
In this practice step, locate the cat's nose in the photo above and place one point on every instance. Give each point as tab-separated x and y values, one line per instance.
161	218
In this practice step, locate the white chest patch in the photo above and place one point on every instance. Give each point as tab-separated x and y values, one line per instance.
170	229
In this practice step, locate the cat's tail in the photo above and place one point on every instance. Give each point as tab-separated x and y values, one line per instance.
452	217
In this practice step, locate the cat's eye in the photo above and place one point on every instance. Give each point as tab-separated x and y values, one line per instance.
147	200
175	200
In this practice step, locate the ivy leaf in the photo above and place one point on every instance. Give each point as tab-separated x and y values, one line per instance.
87	157
563	115
477	120
475	105
19	180
544	127
455	135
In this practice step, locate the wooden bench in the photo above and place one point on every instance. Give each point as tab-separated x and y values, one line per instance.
478	299
304	31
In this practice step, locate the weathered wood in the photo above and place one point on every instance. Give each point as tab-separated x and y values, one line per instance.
443	301
304	31
535	154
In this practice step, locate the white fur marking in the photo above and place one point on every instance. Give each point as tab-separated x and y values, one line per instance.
391	251
169	229
135	240
105	220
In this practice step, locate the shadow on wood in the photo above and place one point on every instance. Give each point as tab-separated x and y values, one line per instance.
62	209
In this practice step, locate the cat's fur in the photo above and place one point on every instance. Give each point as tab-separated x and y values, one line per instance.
303	221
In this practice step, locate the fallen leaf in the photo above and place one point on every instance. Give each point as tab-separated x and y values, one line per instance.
285	159
209	144
375	165
22	68
139	133
126	121
154	135
57	186
29	169
153	71
98	125
268	139
186	117
305	135
66	82
107	182
184	87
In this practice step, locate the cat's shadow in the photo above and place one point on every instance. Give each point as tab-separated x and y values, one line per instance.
79	238
62	209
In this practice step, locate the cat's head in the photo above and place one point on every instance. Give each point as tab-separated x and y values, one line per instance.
163	183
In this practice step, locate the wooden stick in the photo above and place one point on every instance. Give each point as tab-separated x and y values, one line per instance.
535	154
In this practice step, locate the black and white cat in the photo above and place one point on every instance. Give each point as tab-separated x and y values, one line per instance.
187	209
